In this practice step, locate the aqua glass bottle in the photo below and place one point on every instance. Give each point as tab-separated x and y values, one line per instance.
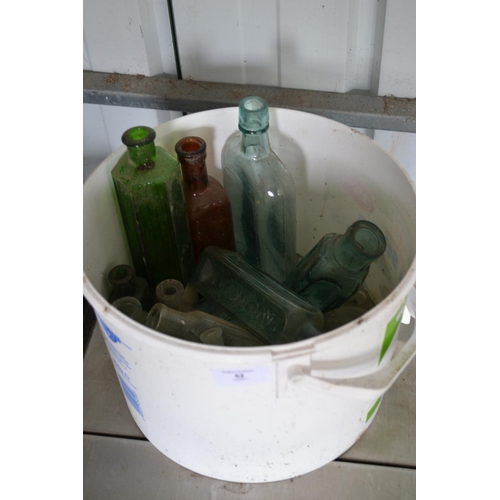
124	283
262	194
258	301
148	184
211	307
337	265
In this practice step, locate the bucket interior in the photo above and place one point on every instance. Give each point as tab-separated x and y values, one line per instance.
340	176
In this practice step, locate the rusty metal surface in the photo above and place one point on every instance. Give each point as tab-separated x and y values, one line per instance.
162	92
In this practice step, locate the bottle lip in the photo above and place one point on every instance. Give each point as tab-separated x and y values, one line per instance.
190	147
253	115
121	274
375	243
138	136
170	290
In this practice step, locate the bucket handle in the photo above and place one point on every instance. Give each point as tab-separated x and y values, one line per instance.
369	387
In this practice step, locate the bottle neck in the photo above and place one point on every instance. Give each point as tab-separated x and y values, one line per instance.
143	157
255	146
192	153
195	173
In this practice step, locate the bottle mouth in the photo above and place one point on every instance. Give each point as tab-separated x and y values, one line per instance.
130	306
138	136
369	239
121	274
189	147
170	291
253	115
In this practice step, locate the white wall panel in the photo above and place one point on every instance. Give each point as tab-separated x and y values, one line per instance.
313	44
127	36
398	62
398	75
361	52
228	41
328	44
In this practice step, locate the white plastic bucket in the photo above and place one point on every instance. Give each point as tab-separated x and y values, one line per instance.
267	413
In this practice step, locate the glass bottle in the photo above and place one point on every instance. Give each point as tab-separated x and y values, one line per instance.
148	184
207	203
124	283
210	307
337	265
352	309
190	325
258	301
212	336
262	194
131	307
171	293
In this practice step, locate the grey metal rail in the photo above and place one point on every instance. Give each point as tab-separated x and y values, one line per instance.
162	92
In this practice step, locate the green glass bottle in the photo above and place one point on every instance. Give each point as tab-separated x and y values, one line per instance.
337	265
148	184
258	301
262	194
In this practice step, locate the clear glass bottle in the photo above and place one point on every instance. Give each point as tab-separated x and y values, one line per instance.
337	265
124	283
262	194
258	301
131	307
190	325
171	293
149	188
352	309
213	336
207	203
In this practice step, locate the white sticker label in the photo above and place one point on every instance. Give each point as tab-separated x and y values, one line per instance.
242	376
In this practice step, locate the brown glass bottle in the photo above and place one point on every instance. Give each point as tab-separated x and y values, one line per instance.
207	203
